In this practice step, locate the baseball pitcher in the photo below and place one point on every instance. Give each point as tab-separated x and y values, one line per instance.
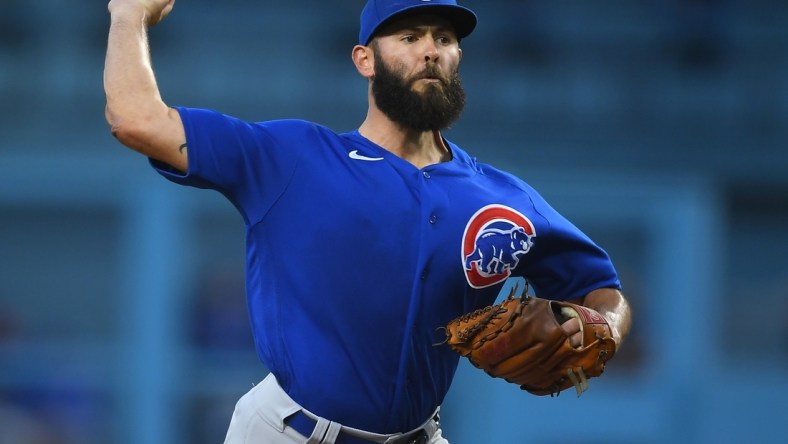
373	256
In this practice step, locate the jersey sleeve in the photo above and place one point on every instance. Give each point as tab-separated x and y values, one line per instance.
249	163
564	263
568	264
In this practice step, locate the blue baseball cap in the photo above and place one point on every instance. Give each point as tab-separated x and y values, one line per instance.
379	12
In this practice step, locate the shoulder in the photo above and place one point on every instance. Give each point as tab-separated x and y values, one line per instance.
490	173
216	120
295	126
505	178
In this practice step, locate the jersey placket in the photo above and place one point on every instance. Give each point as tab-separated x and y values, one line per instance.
433	205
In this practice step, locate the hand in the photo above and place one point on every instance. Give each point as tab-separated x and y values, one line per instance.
572	329
153	11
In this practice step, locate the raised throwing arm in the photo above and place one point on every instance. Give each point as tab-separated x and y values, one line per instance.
135	111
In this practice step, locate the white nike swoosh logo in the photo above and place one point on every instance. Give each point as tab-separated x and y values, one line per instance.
355	155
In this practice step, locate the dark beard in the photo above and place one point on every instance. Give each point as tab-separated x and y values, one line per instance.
434	109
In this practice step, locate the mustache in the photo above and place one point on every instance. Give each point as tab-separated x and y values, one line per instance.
430	72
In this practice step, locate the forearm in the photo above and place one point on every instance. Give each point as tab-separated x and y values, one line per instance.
136	113
611	304
129	82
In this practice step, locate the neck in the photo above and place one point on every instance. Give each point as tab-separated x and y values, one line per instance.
421	148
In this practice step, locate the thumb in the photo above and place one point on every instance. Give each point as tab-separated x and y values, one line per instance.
156	15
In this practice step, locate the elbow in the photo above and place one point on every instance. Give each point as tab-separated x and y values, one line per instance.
126	134
151	129
130	131
113	122
117	125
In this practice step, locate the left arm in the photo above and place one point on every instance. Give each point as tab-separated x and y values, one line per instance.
611	304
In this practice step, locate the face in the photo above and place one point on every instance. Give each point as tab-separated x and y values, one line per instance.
416	82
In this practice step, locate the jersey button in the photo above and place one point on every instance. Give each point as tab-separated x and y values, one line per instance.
426	174
433	219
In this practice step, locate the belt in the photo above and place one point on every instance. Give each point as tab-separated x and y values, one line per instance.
305	425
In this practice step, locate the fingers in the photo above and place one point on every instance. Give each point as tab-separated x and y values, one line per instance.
572	329
158	10
167	8
576	340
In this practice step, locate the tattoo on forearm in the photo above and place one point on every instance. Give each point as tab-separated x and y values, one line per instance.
181	148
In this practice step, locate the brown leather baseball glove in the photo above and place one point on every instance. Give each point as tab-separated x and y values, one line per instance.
521	341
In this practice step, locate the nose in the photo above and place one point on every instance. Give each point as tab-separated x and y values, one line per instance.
430	51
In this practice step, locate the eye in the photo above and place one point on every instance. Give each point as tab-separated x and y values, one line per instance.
408	38
444	40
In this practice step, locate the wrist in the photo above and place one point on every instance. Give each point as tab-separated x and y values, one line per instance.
129	13
614	324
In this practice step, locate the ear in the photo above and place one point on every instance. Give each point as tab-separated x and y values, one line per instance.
460	52
364	60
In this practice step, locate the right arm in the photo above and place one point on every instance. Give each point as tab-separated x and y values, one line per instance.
135	111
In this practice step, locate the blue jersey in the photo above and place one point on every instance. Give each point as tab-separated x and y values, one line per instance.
355	257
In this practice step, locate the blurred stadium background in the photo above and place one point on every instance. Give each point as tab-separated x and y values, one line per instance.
660	127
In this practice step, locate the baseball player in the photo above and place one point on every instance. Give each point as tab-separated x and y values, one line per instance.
360	245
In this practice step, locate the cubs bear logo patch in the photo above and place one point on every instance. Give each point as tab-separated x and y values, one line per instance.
495	238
